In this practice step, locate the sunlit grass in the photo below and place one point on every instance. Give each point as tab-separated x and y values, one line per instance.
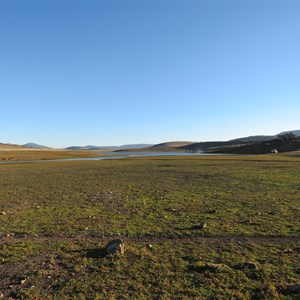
38	154
52	209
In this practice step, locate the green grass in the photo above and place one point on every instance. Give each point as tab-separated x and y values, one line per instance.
37	154
166	271
54	208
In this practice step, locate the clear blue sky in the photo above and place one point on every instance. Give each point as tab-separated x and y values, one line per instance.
118	72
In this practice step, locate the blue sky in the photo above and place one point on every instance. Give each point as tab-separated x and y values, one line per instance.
119	72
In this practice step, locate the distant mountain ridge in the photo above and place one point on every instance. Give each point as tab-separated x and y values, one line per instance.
297	132
113	148
176	145
261	138
35	146
255	138
284	142
251	144
172	144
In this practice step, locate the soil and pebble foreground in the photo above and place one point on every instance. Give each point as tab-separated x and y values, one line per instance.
151	228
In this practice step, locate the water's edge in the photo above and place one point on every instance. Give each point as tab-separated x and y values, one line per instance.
113	156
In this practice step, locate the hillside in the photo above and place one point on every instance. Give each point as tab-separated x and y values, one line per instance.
261	138
36	146
172	144
249	144
256	138
88	147
284	143
257	144
297	132
208	146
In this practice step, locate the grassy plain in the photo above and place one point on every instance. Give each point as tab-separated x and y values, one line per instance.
56	217
7	154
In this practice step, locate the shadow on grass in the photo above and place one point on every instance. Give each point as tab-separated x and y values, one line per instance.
208	267
91	253
194	227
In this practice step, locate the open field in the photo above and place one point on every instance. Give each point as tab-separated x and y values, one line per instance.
55	219
10	147
7	154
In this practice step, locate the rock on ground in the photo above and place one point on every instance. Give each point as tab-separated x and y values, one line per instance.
115	246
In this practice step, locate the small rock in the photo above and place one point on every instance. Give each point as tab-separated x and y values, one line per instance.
1	295
23	280
203	225
115	246
295	289
286	251
150	246
3	213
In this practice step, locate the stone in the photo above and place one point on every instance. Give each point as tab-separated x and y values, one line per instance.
203	225
286	251
3	213
115	246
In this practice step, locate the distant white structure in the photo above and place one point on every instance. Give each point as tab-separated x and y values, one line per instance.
274	151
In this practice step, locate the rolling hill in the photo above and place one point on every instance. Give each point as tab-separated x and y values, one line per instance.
172	144
35	146
284	143
112	148
259	144
249	144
